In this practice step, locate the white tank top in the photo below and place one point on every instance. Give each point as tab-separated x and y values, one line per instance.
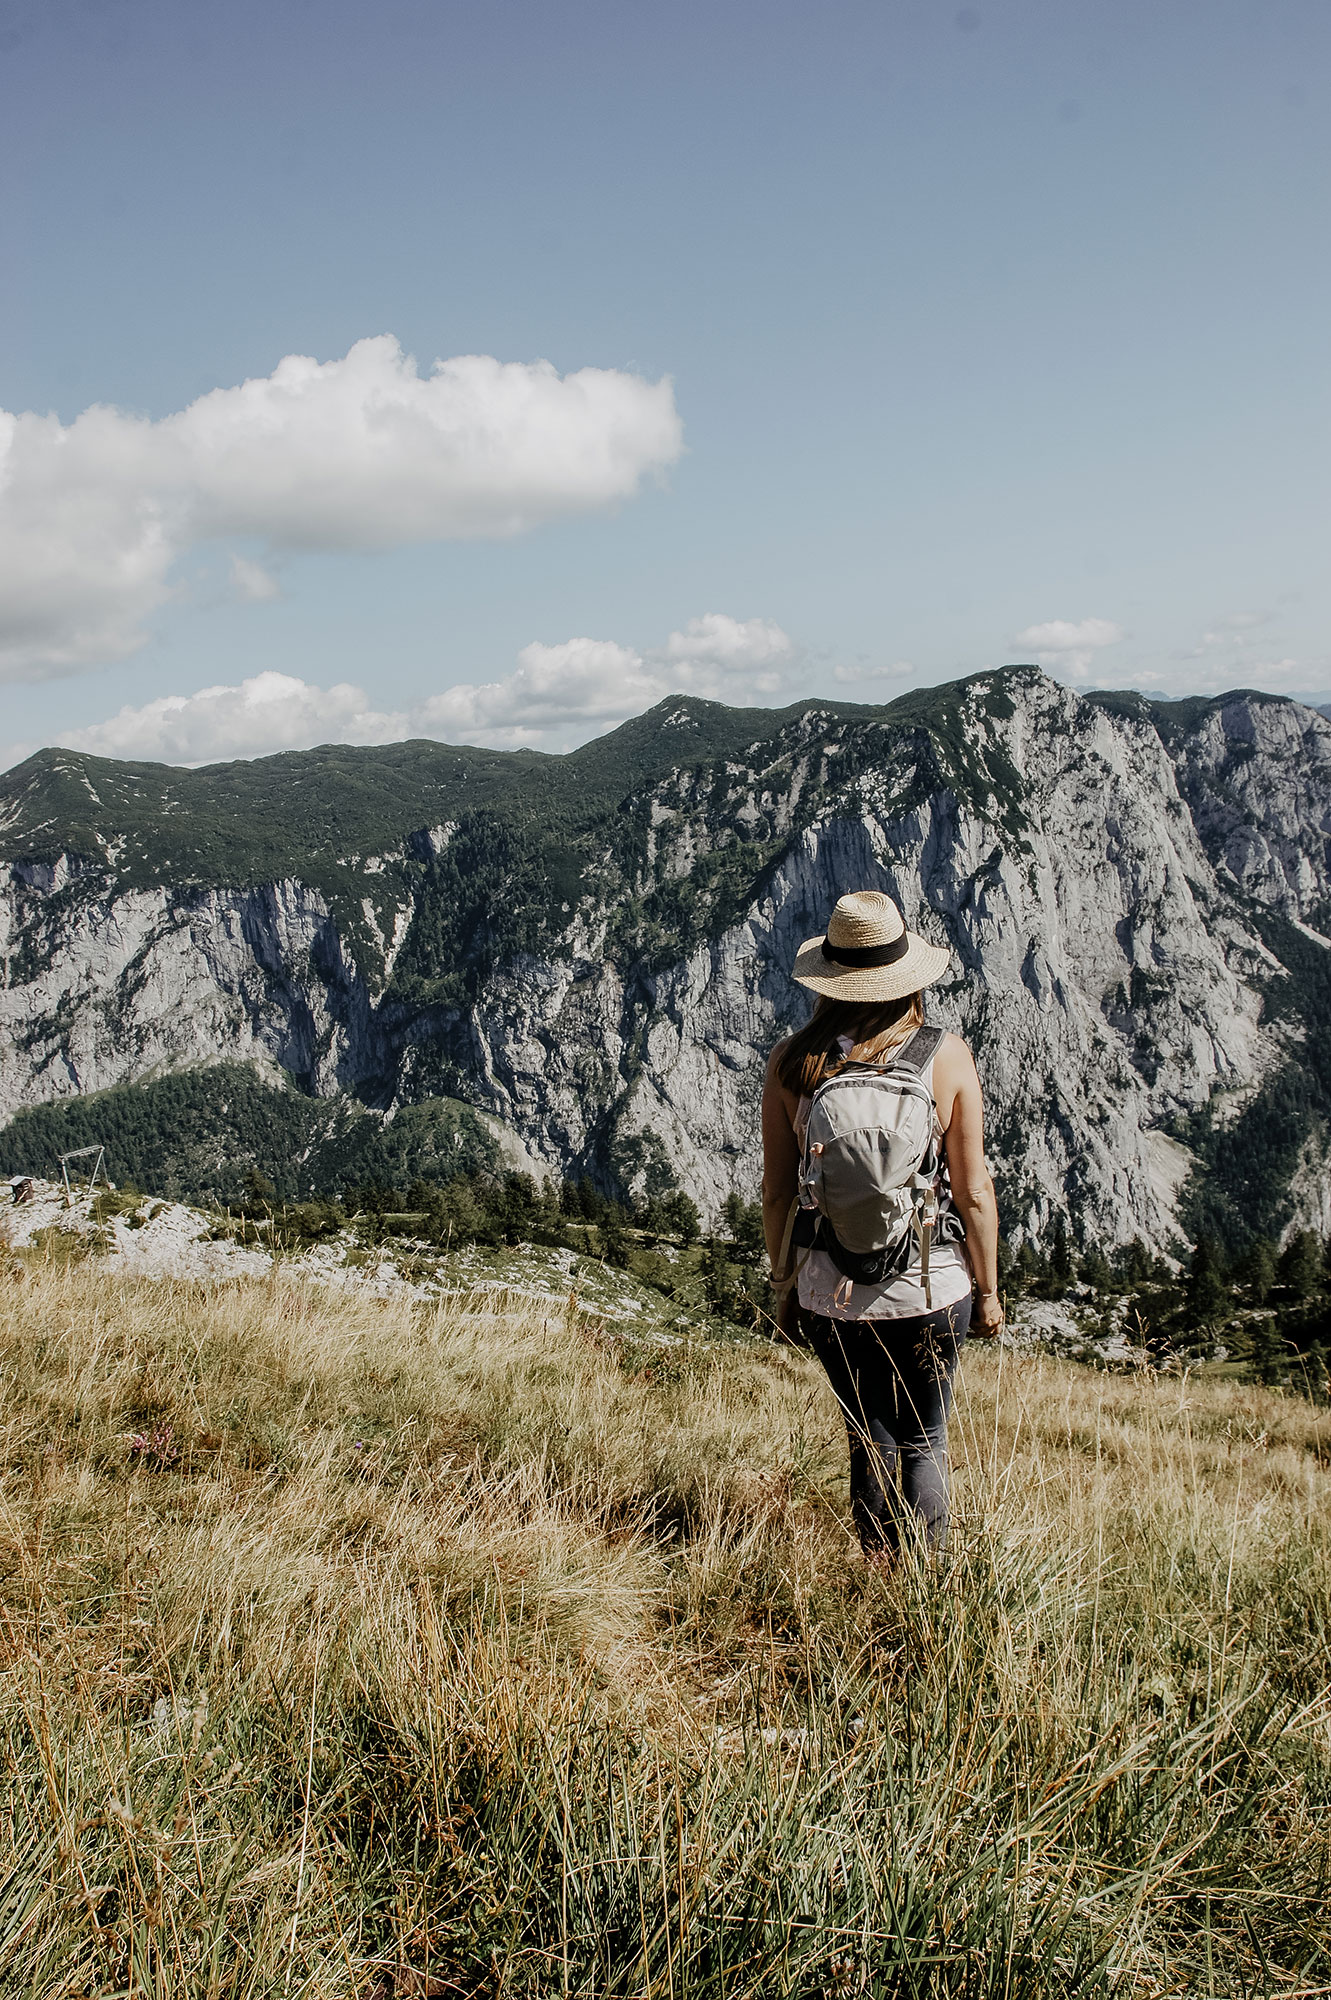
824	1289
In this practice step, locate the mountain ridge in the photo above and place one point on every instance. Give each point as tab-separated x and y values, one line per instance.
635	751
422	767
594	948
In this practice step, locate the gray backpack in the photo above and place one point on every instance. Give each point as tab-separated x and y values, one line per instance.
868	1188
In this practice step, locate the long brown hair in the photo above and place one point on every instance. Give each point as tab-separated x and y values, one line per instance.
874	1027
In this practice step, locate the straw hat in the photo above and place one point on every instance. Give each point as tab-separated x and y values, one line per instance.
868	954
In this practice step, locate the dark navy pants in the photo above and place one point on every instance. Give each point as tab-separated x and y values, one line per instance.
893	1380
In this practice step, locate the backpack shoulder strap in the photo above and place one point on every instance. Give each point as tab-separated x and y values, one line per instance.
916	1054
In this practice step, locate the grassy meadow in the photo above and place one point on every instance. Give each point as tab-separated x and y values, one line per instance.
361	1648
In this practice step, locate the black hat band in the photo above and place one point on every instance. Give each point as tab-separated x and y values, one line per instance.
868	954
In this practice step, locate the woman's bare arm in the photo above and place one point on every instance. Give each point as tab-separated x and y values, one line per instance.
781	1157
961	1115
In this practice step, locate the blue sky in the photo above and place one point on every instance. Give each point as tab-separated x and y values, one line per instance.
995	331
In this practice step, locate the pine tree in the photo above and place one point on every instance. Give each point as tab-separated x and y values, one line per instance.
1031	1269
614	1237
1134	1262
1208	1294
682	1215
1269	1352
591	1201
1095	1271
720	1281
518	1207
1062	1271
744	1222
1258	1270
1301	1263
259	1191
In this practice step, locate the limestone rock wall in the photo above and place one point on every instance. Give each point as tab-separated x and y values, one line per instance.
1101	896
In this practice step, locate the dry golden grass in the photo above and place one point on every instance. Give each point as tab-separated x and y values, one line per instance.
362	1649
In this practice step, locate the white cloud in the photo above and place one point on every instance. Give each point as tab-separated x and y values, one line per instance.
267	713
557	692
251	582
1236	649
360	453
557	696
1069	647
737	645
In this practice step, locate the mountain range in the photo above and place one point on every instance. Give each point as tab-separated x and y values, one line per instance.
403	959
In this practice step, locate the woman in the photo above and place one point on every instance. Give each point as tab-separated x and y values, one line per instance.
890	1349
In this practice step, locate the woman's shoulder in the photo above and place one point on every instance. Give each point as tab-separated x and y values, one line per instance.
773	1080
951	1044
953	1070
955	1046
953	1053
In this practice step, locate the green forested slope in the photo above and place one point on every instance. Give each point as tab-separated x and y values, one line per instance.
246	822
299	812
195	1136
294	814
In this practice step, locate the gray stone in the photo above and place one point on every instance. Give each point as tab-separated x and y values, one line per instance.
1103	921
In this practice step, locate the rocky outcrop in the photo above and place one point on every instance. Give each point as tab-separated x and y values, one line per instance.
1101	870
1256	775
1103	976
104	987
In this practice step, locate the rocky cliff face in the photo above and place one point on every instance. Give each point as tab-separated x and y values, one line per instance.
1107	873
